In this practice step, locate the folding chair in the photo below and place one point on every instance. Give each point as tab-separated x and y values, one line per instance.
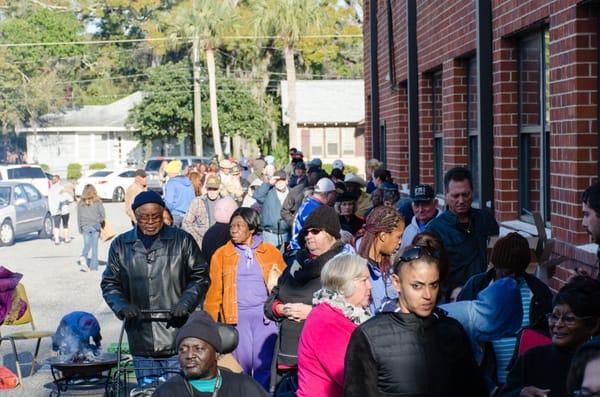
26	318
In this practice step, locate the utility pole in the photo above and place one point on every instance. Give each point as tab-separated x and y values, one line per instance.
196	75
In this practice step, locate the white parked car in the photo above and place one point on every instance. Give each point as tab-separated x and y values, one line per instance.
110	184
28	173
23	210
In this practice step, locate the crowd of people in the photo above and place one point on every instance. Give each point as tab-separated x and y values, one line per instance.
338	286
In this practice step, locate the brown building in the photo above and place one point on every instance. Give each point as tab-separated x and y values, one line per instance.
508	88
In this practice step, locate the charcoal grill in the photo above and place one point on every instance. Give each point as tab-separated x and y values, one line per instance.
77	373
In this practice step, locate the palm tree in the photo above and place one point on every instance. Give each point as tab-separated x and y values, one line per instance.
288	20
206	21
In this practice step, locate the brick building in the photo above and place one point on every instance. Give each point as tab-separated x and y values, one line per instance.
508	88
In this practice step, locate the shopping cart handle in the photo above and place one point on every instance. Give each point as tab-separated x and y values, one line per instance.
155	311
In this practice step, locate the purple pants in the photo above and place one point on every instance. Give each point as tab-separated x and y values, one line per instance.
257	342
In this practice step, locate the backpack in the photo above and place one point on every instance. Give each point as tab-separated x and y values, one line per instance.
8	380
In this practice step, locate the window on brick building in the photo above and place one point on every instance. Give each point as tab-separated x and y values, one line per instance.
436	128
382	143
473	127
534	126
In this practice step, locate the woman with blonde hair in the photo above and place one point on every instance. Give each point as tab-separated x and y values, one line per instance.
340	306
196	180
90	217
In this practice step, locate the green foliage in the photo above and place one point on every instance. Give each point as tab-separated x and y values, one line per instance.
74	171
239	113
167	108
281	154
45	167
97	166
347	168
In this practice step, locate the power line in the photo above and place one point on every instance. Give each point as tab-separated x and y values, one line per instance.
152	39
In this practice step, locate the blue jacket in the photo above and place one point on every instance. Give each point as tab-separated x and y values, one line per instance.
179	194
467	250
382	291
304	211
497	312
270	215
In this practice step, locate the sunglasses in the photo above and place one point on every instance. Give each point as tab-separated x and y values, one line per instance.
416	252
312	231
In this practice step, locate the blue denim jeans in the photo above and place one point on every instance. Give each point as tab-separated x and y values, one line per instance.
278	240
90	242
149	369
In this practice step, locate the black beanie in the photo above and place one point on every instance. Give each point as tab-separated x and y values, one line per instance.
146	198
200	325
324	217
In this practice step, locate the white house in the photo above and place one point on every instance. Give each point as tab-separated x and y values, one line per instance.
91	134
329	115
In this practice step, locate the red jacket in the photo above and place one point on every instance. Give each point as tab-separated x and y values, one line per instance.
322	374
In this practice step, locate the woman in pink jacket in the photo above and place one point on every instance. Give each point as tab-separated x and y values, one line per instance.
339	307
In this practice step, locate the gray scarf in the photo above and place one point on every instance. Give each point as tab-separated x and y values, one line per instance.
357	315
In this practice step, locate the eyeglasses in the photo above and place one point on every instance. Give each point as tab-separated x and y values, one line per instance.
417	252
585	393
149	218
312	231
569	320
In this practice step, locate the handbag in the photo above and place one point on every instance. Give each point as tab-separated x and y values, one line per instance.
273	277
287	386
106	231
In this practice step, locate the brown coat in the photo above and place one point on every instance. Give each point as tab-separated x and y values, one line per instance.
221	298
133	190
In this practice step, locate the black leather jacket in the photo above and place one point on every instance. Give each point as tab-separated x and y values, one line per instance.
173	270
397	354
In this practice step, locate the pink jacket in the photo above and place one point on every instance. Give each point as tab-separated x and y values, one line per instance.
321	352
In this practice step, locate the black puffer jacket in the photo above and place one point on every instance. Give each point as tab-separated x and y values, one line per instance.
397	354
297	284
173	270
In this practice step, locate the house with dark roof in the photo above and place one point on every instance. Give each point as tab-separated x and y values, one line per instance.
330	115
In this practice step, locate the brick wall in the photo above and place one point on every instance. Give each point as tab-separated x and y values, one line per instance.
446	41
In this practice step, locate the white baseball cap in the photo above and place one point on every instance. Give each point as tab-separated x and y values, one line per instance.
339	164
324	185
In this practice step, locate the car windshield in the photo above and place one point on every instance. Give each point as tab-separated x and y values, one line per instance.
100	174
4	195
153	165
25	173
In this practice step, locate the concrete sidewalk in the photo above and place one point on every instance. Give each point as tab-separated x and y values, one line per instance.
56	285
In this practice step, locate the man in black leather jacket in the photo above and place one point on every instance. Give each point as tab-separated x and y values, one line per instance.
153	267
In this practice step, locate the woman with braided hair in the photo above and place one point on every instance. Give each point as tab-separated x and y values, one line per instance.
383	233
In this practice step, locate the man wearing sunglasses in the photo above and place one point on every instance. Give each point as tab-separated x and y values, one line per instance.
464	231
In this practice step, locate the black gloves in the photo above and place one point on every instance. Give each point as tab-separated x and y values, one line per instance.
179	314
130	312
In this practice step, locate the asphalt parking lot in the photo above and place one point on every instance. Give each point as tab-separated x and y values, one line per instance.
55	286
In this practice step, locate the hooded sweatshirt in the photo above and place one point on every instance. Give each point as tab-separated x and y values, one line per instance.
497	312
179	194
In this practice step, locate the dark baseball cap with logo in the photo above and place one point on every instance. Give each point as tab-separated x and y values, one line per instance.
423	193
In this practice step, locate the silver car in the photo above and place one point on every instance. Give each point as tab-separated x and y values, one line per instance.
23	210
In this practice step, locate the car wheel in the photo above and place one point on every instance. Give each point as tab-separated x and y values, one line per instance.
119	194
7	233
46	231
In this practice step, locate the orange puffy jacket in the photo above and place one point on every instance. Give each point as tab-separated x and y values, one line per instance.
221	299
